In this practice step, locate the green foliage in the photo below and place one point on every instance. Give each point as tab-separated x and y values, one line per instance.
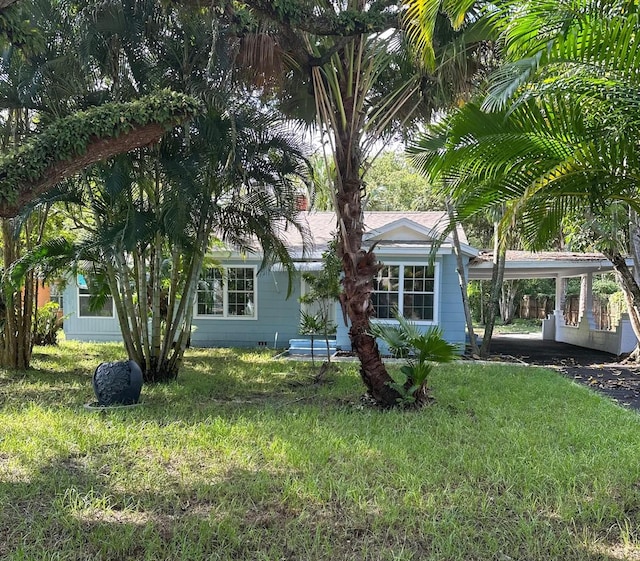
572	287
605	286
393	184
419	349
539	288
18	29
236	460
69	137
323	291
48	324
311	324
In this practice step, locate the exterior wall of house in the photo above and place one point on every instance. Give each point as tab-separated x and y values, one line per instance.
451	310
99	329
450	313
277	319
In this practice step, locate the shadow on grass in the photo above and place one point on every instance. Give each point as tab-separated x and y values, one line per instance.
73	508
239	462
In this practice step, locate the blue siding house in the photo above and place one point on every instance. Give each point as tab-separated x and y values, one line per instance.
251	308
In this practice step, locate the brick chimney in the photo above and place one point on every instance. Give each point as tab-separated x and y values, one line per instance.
302	202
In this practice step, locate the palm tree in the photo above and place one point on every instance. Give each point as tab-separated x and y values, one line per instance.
229	176
349	63
557	131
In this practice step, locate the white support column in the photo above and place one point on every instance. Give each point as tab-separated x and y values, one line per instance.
552	325
560	295
586	300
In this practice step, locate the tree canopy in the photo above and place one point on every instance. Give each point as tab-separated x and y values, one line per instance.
84	138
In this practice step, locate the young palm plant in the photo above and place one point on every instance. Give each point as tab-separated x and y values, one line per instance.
420	349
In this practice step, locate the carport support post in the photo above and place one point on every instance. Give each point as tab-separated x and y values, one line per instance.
586	301
561	295
551	326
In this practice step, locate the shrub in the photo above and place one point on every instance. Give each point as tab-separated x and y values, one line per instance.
48	323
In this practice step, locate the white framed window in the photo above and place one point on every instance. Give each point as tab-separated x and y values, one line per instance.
228	292
407	289
85	311
56	294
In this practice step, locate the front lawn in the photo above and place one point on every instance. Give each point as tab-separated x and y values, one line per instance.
244	459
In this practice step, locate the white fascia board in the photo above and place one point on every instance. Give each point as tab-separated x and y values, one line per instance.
541	269
378	233
412	251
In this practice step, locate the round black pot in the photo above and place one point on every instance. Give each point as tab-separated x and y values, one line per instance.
117	383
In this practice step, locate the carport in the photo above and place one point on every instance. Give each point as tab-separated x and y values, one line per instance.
560	266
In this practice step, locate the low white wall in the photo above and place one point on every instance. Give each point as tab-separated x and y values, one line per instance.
617	342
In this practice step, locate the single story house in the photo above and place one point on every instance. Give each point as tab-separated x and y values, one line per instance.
254	310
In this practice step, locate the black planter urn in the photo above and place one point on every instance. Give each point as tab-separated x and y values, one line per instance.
117	383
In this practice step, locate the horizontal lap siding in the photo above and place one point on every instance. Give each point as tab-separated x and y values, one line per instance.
86	329
276	315
451	309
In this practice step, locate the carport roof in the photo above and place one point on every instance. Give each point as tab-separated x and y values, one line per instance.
543	264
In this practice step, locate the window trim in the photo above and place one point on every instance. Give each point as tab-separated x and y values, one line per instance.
436	292
82	316
225	297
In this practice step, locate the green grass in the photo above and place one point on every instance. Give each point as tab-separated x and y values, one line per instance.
243	458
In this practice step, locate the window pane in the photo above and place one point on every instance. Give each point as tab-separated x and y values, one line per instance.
240	292
210	297
385	305
418	307
418	293
385	292
84	308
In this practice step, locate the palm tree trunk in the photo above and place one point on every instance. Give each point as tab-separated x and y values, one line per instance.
497	275
140	276
156	277
462	279
359	268
127	324
129	306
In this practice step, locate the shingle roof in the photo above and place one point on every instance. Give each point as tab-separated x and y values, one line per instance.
323	225
541	264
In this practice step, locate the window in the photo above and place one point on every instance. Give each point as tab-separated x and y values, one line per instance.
407	289
84	309
228	292
56	295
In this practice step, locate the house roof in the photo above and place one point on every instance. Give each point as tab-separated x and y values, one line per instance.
542	264
397	230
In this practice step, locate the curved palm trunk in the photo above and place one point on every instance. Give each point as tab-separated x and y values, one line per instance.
359	268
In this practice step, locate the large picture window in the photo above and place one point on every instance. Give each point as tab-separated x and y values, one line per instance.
227	293
406	289
84	307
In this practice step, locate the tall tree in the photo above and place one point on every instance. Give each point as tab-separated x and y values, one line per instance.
45	85
350	64
150	217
